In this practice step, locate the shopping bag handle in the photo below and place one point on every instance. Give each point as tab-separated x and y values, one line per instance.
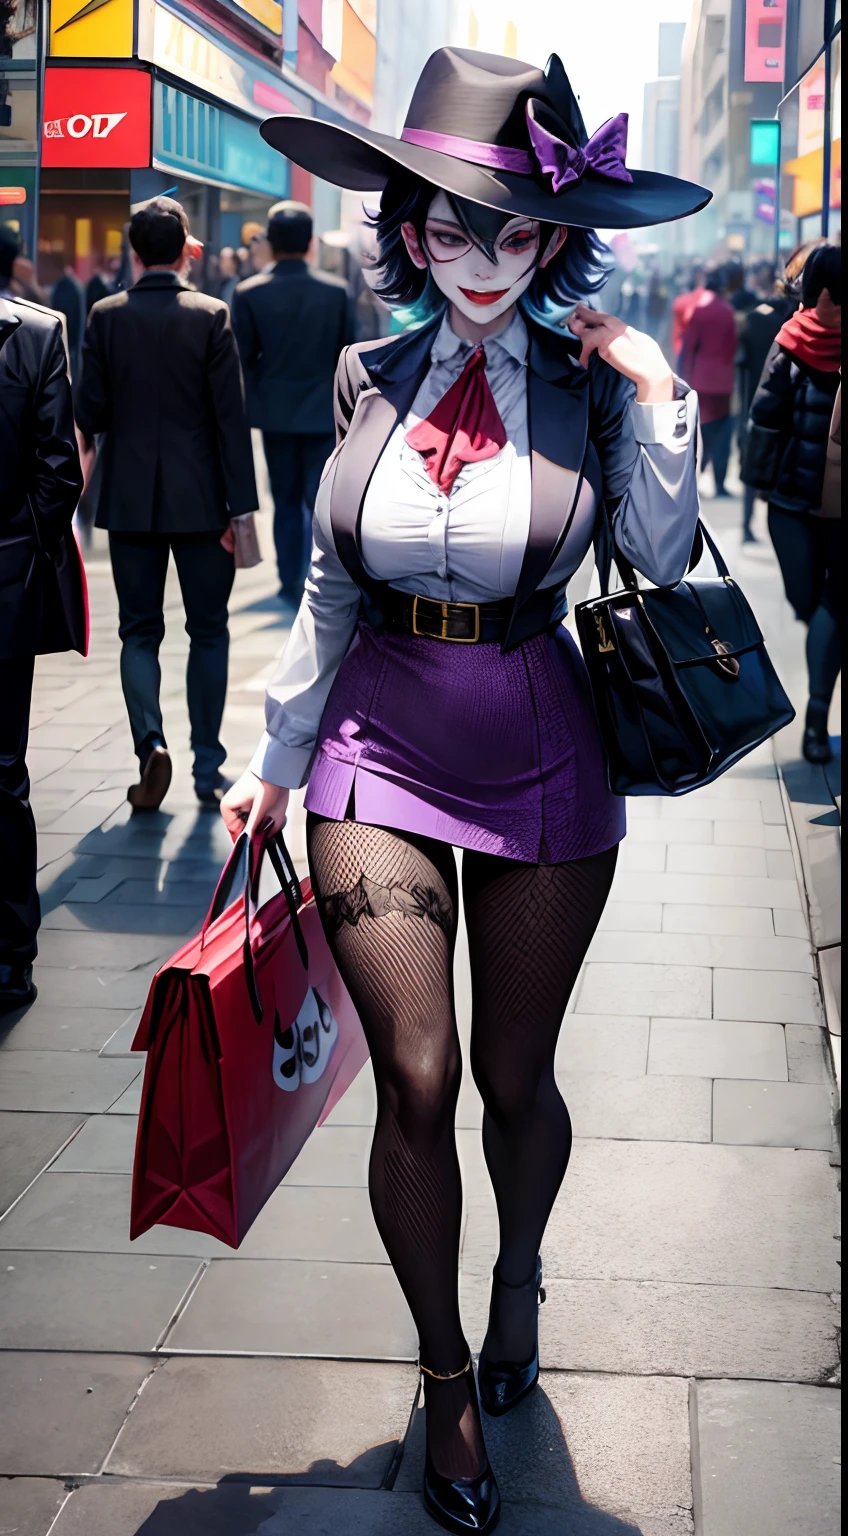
283	867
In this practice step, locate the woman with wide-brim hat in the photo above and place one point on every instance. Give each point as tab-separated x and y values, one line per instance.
429	693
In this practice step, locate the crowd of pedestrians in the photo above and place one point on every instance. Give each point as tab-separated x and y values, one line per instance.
169	380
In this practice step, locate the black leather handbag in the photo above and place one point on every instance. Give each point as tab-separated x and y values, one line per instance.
682	682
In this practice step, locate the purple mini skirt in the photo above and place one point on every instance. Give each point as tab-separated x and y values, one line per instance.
469	746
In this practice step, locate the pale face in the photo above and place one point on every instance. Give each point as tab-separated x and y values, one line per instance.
481	289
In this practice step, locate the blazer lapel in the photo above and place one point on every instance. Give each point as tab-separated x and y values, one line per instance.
395	373
558	424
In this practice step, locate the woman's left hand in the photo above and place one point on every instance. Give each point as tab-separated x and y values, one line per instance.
630	352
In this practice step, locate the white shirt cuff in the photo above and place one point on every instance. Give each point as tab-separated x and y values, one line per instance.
278	764
668	422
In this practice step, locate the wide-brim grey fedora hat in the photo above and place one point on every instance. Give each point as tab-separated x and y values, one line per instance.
502	133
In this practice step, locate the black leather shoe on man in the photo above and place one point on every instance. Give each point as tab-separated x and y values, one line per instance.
150	791
16	987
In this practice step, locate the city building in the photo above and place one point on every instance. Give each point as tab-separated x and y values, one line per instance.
661	117
147	96
732	71
810	117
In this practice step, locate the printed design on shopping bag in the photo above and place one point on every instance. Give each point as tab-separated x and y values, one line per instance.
303	1049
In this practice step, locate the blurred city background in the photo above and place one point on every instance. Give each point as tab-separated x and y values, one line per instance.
742	95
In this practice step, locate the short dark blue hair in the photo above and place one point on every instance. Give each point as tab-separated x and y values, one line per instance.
578	270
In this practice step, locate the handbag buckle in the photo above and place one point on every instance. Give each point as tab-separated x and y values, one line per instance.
728	663
604	643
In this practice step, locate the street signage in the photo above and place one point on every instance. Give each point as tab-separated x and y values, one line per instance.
91	29
96	117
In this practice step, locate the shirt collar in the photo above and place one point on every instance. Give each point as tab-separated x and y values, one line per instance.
514	341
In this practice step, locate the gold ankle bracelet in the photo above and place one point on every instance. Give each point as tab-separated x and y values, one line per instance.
445	1375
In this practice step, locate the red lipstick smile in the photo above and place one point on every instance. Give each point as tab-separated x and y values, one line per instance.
488	296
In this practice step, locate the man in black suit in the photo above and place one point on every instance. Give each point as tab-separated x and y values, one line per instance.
291	323
161	380
40	483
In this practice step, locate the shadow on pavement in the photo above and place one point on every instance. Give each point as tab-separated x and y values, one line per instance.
539	1486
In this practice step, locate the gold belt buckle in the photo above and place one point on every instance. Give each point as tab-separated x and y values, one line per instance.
445	616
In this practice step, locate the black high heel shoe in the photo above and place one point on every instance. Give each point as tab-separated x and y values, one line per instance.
468	1506
502	1383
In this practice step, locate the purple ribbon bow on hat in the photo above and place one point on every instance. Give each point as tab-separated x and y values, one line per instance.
604	153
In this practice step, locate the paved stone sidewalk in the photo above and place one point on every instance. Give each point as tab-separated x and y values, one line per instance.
689	1338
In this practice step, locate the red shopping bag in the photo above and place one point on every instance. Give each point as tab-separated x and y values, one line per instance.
251	1038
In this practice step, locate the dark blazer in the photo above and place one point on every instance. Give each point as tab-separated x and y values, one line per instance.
797	401
161	379
291	324
40	473
580	424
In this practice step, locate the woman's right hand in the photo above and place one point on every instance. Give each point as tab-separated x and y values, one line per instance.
253	804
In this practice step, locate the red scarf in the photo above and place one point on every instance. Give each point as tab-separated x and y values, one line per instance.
462	428
811	342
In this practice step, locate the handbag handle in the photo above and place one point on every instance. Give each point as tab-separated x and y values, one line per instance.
283	866
628	574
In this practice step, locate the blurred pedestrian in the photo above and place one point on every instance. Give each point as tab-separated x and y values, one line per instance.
740	296
228	274
684	306
291	323
68	296
9	249
161	380
40	483
786	453
707	361
759	329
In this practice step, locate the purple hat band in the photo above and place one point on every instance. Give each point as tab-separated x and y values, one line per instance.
604	153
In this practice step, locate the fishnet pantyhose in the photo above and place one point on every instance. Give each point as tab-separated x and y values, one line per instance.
389	904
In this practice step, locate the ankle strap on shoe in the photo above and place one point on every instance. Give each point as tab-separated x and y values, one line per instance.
445	1375
511	1285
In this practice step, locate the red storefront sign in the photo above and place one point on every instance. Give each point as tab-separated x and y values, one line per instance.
96	117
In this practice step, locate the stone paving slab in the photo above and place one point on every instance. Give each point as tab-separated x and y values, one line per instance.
638	1108
28	1142
129	1102
721	1215
304	1223
115	1303
62	1081
781	998
735	951
681	991
592	1043
334	1155
718	1048
735	922
96	951
46	1028
90	1213
584	1444
106	1144
29	1505
707	890
766	1458
94	988
60	1413
808	1054
308	1421
648	1328
269	1306
772	1114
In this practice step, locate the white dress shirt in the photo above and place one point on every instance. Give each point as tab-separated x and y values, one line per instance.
468	545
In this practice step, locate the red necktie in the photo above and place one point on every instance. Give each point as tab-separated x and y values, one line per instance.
462	428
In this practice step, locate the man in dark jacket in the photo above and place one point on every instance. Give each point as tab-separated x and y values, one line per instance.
40	483
291	323
785	457
759	327
161	380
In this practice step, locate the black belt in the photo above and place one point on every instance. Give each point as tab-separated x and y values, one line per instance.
462	623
